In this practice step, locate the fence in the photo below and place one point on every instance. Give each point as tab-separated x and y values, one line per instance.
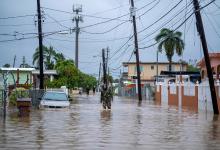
192	96
147	92
1	101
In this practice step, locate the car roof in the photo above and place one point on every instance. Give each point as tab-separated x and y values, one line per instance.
55	92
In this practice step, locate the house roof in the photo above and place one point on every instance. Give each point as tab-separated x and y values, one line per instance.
211	55
15	69
51	72
153	63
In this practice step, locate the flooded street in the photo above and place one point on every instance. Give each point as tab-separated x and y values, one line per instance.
127	126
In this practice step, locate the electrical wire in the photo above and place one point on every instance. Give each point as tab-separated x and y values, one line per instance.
161	17
13	17
58	22
181	23
150	8
212	25
105	31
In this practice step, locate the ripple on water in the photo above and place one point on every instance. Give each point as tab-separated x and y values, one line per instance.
127	126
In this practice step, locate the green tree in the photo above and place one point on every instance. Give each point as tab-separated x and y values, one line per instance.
48	57
171	42
192	68
59	57
70	76
68	73
7	65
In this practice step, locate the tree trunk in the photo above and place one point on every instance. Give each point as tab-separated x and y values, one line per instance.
170	66
170	63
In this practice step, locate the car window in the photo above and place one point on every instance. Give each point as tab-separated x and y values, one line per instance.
55	96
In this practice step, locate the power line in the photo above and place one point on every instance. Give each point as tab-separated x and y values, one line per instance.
150	8
107	30
181	23
19	39
165	23
13	17
57	22
211	23
121	47
161	17
80	14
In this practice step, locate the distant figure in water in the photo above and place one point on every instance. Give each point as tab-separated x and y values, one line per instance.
93	90
87	90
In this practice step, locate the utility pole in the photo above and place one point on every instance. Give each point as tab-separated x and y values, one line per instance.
107	68
132	11
104	70
99	75
40	45
77	18
199	25
14	61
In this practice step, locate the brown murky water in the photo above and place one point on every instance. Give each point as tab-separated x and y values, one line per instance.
126	127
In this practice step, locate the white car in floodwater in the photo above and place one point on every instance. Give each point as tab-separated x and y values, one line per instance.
52	99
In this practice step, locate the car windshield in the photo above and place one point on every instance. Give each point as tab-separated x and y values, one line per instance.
55	96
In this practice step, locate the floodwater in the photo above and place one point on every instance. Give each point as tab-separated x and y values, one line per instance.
127	126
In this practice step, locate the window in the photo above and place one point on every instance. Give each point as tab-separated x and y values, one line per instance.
152	67
141	69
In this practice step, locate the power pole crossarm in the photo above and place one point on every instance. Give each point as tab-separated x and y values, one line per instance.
201	31
132	9
40	45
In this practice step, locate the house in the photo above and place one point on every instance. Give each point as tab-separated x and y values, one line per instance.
17	75
215	65
24	76
149	70
48	74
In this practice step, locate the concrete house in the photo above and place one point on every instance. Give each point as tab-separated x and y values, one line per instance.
149	69
215	64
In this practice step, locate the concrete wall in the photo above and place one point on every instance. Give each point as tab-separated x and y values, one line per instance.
189	96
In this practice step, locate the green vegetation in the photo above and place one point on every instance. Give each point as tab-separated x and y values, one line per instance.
18	92
70	76
170	41
7	65
192	68
50	57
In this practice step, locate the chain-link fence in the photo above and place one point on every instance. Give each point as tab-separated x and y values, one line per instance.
34	94
1	100
147	92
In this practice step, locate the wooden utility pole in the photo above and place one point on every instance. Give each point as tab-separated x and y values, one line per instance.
99	76
104	70
132	9
40	46
200	29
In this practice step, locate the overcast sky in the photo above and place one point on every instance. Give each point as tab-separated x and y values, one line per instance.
90	45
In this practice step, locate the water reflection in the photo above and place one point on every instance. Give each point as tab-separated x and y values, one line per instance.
105	115
129	125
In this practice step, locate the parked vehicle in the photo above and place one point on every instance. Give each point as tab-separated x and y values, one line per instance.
54	99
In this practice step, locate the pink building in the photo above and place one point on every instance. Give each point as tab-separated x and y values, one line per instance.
215	64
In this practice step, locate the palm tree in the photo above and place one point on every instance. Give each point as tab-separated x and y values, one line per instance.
59	57
36	56
48	56
49	63
171	42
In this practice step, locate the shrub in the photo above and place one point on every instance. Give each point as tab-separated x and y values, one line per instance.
17	93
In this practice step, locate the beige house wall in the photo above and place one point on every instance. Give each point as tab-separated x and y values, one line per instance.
148	71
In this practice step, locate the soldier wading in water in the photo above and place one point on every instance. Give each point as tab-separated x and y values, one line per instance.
106	96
